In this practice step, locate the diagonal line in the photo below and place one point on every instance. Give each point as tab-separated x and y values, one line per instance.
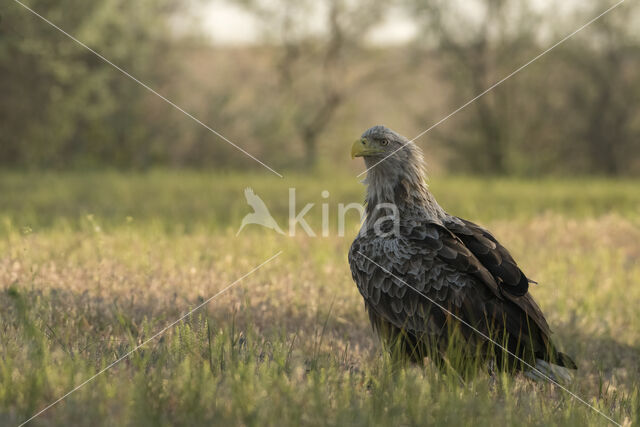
440	306
163	330
513	73
168	101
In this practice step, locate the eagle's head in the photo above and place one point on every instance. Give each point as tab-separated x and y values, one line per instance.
388	154
395	171
386	149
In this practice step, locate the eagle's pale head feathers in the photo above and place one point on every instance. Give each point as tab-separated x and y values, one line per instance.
395	170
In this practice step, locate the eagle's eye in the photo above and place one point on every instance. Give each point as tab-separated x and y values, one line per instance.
384	142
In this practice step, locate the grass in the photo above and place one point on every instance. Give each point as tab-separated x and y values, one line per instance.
92	265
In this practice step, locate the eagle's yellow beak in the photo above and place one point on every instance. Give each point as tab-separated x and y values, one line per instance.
362	147
357	148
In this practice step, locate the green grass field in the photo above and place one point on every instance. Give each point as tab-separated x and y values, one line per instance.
92	265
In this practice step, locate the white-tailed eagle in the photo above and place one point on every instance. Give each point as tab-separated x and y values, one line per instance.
421	271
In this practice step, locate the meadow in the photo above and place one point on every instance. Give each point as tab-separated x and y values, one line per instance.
93	264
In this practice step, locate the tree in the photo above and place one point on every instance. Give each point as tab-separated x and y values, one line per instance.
599	105
315	66
477	44
62	106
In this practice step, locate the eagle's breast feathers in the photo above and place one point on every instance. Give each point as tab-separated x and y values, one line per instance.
422	268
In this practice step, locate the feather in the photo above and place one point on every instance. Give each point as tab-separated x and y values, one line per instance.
437	257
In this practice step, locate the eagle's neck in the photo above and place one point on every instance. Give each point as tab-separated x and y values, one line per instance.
403	185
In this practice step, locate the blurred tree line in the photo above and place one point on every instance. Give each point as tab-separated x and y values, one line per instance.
61	106
316	81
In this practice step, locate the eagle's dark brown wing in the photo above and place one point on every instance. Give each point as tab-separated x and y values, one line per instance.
493	256
508	279
399	277
512	284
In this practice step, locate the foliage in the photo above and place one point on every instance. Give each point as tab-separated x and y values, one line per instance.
62	106
569	111
314	81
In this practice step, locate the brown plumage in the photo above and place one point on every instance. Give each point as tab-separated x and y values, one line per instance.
410	251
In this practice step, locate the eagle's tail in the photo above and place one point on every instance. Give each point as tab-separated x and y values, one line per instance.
558	371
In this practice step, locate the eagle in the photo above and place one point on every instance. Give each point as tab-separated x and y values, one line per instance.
438	287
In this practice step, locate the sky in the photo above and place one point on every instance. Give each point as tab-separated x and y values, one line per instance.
230	24
227	23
